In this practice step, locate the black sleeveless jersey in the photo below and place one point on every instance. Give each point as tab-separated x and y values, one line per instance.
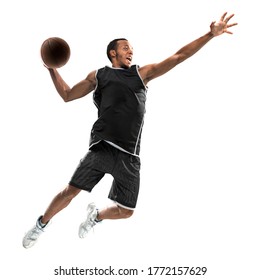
120	97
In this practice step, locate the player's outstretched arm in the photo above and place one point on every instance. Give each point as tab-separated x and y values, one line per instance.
153	71
79	90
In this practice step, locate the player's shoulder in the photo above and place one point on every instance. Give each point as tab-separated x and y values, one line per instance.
146	72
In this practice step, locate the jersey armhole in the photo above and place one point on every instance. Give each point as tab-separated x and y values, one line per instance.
137	70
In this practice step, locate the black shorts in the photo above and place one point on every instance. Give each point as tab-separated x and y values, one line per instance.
103	158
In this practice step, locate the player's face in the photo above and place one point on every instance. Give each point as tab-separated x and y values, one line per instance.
124	54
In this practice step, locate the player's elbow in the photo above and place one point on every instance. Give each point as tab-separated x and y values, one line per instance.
180	57
66	99
65	96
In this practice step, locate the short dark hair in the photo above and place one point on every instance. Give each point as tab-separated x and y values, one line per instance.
112	46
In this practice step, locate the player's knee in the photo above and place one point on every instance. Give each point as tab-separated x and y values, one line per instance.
125	213
70	192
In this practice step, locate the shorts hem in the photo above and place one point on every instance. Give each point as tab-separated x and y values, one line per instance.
78	187
122	205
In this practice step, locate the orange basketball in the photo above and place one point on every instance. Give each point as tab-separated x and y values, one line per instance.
55	52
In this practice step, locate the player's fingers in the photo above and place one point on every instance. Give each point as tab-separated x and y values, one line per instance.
223	16
227	31
212	23
228	18
230	25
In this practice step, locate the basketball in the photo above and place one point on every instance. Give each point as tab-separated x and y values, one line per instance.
55	52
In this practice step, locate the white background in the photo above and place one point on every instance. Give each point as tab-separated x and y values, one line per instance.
199	202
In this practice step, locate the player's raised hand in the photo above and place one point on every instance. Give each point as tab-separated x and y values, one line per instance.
222	26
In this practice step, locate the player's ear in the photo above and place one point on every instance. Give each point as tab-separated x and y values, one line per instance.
112	53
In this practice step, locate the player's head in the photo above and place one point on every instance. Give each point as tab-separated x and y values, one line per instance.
120	53
113	46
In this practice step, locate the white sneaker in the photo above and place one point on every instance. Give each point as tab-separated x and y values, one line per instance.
90	222
31	237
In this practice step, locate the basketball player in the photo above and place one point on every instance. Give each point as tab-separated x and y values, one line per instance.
119	95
